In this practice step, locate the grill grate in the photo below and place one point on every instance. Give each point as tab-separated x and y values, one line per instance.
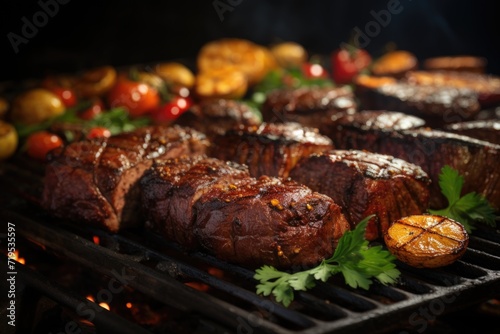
147	263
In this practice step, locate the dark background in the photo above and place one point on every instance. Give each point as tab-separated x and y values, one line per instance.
82	34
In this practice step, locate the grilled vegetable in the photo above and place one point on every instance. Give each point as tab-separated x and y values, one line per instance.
427	241
253	60
394	63
8	140
456	63
175	74
35	106
96	82
227	82
42	142
347	64
289	54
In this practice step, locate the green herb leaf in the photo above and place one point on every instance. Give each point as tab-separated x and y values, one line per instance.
465	209
358	263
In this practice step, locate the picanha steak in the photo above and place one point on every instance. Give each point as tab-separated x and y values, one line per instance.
96	181
309	106
476	160
214	205
269	149
365	183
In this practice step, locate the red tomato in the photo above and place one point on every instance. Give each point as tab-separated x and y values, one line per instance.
67	95
137	97
98	132
347	64
42	142
91	112
314	71
173	109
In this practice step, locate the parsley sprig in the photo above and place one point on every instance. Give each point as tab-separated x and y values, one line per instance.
465	209
354	258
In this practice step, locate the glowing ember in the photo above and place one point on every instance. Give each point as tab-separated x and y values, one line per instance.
104	305
96	240
17	258
89	297
128	305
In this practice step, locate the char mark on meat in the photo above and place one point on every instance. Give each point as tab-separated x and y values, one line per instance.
96	181
309	106
487	130
365	183
215	117
269	149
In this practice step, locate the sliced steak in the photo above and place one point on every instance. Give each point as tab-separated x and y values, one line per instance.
96	182
437	105
269	221
365	183
359	123
172	186
477	161
209	204
309	106
486	86
269	149
487	130
213	117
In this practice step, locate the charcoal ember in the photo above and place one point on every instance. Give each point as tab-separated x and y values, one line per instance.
365	183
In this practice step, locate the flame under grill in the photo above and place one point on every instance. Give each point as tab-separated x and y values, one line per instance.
147	264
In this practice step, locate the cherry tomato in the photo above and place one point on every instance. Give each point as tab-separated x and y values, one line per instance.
42	142
137	97
98	132
314	71
67	95
346	64
91	112
173	109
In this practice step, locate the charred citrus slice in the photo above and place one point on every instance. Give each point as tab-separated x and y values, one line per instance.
8	140
427	241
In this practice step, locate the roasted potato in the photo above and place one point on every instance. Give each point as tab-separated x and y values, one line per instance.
427	241
228	82
35	106
251	59
8	140
175	74
289	54
96	82
394	63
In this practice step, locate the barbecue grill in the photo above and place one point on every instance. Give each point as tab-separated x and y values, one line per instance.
140	262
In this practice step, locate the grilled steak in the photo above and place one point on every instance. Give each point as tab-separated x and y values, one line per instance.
309	106
487	87
216	206
269	149
437	105
365	183
96	181
487	130
172	186
366	124
477	161
213	117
